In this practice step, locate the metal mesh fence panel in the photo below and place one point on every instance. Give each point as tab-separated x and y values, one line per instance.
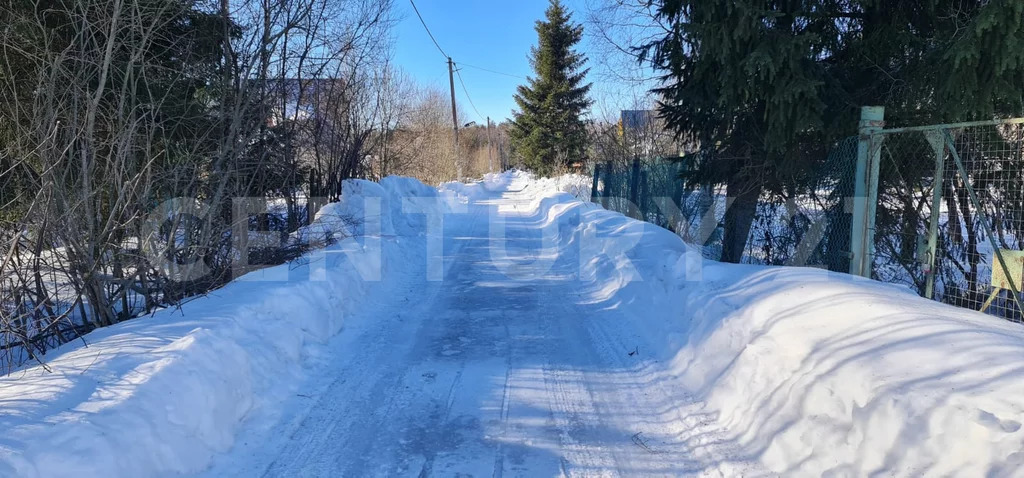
931	176
993	158
636	189
653	191
906	178
809	226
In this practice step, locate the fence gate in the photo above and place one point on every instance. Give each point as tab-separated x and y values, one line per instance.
941	209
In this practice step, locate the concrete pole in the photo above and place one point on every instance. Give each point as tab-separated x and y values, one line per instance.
865	200
490	159
455	118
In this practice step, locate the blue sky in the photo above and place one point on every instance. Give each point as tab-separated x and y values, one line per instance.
492	34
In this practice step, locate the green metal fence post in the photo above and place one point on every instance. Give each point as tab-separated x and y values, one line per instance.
869	147
593	187
677	200
609	175
642	196
634	189
938	143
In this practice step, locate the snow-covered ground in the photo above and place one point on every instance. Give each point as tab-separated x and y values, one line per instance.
525	333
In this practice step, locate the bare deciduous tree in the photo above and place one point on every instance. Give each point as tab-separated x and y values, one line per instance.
111	110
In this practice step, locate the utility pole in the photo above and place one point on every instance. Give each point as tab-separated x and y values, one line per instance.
490	160
455	119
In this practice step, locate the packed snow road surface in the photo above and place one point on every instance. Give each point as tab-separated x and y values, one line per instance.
506	367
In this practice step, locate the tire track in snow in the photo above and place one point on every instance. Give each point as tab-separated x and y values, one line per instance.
499	455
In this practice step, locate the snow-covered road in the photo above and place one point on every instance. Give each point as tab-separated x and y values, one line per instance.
533	334
504	368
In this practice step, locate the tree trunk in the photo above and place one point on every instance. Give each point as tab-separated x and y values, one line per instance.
971	252
742	192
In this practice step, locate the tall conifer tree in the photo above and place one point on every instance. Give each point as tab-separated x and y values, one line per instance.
548	130
768	85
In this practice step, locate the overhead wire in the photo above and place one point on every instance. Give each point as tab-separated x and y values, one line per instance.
466	91
449	58
494	71
425	27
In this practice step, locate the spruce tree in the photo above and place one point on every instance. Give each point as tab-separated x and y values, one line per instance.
768	85
548	131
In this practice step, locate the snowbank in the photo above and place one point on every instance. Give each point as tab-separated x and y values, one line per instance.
577	185
395	206
812	373
819	375
162	394
408	196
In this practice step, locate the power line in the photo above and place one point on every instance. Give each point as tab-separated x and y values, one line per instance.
493	71
466	91
451	64
431	35
425	27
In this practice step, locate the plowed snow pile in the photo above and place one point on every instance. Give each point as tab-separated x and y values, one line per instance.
813	372
163	394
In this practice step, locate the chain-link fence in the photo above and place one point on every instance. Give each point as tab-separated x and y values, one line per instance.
941	210
634	189
807	226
